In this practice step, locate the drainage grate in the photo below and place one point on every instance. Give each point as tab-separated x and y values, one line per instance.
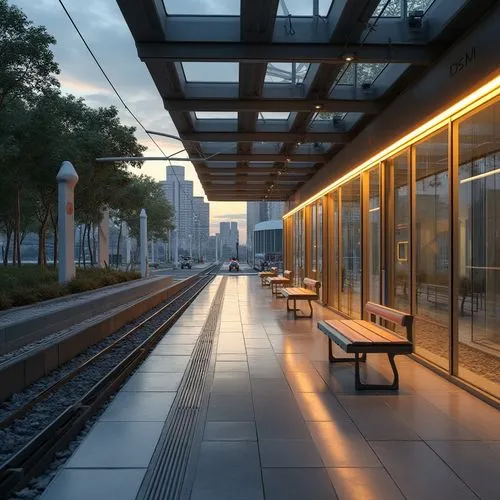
167	469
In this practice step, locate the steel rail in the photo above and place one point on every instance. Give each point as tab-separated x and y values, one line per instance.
37	454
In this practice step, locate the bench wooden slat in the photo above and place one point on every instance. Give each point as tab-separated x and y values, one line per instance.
388	313
375	333
347	332
336	336
381	331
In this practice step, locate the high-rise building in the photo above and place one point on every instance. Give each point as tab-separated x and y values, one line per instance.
260	211
201	226
179	192
229	236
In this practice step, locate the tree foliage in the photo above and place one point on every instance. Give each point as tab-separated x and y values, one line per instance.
40	128
27	65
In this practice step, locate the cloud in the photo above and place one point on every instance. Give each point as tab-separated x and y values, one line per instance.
103	26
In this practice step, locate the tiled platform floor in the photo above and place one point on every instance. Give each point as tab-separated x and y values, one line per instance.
284	424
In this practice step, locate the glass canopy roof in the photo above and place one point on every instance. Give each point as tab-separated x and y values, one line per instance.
257	82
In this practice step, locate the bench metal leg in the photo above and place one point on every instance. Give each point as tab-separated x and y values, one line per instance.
296	312
335	359
362	386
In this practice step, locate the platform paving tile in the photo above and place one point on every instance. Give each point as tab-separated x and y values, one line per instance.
174	349
230	431
117	445
228	471
297	484
289	453
230	407
164	364
475	462
150	381
144	406
353	483
419	471
95	484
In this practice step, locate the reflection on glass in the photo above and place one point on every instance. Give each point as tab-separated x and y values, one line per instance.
299	247
319	239
350	287
333	249
432	248
314	241
374	235
398	234
479	262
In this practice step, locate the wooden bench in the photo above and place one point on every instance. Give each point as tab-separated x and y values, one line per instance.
280	281
363	337
264	275
309	291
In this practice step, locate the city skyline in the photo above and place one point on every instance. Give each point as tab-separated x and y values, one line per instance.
102	25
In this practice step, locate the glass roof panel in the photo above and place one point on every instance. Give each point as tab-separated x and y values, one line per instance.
302	7
359	73
223	72
266	147
323	116
218	147
195	7
393	8
273	115
283	72
216	115
313	147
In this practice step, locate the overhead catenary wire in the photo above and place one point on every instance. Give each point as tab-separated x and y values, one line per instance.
118	95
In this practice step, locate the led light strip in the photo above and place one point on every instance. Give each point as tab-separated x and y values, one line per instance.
457	110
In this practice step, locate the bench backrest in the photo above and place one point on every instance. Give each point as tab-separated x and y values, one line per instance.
288	275
391	315
312	284
274	270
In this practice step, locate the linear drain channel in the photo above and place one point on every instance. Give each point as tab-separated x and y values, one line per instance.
166	472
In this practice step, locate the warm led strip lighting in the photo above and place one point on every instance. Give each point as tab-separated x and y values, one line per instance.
460	108
480	176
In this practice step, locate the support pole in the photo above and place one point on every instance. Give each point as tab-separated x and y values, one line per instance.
152	250
66	182
103	232
143	230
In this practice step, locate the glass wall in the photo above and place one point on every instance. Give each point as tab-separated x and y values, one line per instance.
374	235
432	249
350	248
332	249
397	289
479	242
414	203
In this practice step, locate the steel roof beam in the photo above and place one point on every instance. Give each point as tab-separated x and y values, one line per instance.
272	52
259	157
335	137
283	105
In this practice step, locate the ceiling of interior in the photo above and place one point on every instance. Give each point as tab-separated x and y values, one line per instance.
266	92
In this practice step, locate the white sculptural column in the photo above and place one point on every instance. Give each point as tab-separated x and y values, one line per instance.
104	238
143	241
66	182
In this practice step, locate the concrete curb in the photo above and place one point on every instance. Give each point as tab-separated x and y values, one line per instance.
19	372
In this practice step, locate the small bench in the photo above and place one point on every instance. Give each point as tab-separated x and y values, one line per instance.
264	275
363	337
280	281
309	291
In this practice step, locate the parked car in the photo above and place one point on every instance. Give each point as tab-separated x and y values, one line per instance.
186	263
234	265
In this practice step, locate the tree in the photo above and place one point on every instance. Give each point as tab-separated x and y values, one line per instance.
145	192
27	65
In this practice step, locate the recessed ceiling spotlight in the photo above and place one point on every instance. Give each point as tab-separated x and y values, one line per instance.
299	143
349	57
288	159
279	172
318	106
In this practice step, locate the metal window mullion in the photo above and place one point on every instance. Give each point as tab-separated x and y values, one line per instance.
365	238
454	242
339	249
412	231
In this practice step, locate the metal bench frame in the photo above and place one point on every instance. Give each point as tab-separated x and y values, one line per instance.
360	351
276	281
308	284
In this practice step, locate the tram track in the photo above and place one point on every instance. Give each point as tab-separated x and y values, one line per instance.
48	420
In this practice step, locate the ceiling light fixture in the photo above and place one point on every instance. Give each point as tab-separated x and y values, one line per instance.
318	106
348	57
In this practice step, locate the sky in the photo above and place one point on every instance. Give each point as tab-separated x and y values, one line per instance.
105	30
